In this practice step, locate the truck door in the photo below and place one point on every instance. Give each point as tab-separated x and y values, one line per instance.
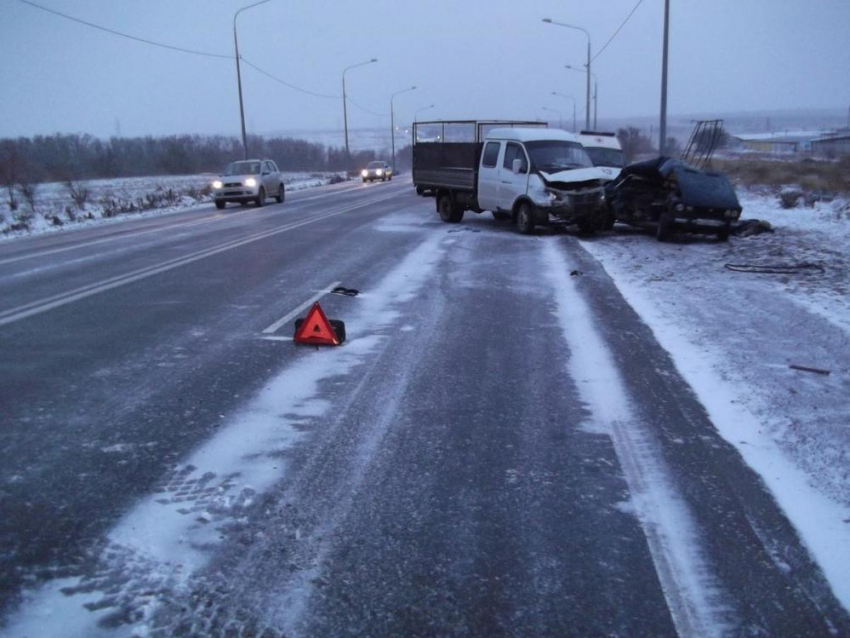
488	176
512	185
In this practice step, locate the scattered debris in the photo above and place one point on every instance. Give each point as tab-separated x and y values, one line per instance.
776	269
750	227
807	369
348	292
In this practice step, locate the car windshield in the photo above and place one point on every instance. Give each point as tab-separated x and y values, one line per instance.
375	165
606	156
243	168
552	156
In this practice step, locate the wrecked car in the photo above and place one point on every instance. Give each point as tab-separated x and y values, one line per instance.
666	195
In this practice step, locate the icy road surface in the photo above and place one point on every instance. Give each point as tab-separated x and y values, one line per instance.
499	449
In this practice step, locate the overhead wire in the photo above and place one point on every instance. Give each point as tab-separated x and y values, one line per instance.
125	35
363	108
628	17
176	48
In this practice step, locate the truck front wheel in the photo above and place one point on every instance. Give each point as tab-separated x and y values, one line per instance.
525	219
449	211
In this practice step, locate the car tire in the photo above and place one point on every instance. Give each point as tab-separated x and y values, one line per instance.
449	212
365	180
525	218
586	226
723	233
220	204
261	197
281	194
501	216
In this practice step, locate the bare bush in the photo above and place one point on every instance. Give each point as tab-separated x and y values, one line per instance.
28	190
78	192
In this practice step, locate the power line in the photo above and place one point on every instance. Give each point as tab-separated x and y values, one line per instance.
287	84
605	46
174	48
125	35
363	108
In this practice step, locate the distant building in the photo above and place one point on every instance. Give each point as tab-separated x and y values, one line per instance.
836	145
788	142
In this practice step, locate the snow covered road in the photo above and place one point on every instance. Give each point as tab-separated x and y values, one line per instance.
499	448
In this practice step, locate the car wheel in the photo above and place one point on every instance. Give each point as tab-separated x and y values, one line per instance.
364	180
261	197
281	194
586	226
500	216
723	233
220	204
449	212
525	219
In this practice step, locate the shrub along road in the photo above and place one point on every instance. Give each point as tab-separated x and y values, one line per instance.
498	448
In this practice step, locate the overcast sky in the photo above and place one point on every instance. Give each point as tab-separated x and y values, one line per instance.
471	58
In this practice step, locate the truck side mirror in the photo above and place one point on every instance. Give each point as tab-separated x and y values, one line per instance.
516	166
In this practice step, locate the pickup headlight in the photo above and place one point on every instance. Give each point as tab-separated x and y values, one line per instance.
250	182
217	184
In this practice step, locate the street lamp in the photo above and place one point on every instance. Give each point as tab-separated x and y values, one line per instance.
392	120
662	134
570	26
569	97
239	75
418	111
560	119
345	112
595	94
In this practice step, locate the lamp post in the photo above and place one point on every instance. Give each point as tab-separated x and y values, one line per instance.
345	112
239	75
569	97
570	26
560	119
662	131
392	120
418	111
595	93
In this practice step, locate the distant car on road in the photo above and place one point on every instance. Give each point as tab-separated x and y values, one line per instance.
249	181
376	170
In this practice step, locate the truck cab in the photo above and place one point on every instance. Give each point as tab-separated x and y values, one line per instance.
604	150
540	177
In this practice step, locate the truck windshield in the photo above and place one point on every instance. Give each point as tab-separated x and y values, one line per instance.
552	156
606	156
243	168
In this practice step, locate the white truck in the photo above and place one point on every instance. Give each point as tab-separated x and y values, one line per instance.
522	171
604	150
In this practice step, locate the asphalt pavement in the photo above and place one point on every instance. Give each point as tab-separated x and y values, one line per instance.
442	473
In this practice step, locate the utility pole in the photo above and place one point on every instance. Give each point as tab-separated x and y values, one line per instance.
239	75
662	133
595	105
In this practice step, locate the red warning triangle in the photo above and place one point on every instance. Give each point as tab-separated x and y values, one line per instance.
316	329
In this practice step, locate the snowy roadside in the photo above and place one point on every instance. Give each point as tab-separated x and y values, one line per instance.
733	337
114	200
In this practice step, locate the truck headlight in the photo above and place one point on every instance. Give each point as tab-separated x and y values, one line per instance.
250	182
553	195
217	184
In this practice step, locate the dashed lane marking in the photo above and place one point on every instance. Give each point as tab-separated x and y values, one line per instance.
55	301
277	324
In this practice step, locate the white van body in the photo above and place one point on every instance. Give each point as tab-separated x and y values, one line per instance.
604	150
511	174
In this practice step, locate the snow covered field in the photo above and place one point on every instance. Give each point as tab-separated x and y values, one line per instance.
733	336
150	195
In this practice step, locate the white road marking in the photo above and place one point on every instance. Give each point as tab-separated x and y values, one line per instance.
277	324
194	222
275	338
61	299
53	251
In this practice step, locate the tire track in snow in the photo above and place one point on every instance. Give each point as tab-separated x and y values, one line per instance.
693	594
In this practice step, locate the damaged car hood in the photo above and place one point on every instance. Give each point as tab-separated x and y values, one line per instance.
576	175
